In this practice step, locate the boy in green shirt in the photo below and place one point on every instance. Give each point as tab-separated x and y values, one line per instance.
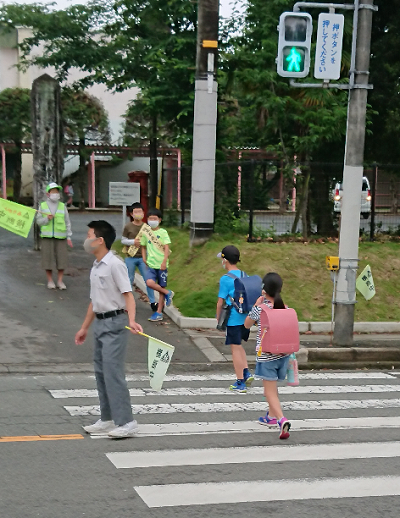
155	252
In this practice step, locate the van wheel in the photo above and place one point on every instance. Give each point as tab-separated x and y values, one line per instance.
365	215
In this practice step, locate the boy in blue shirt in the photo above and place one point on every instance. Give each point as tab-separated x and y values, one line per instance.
235	330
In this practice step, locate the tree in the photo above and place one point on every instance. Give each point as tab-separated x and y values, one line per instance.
15	126
85	121
149	43
292	123
384	129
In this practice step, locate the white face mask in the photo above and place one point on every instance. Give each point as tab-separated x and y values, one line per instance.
223	263
54	196
87	245
152	224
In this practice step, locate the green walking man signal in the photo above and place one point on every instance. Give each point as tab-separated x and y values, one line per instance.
294	60
294	45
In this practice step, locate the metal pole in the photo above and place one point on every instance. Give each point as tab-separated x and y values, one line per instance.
205	123
4	173
373	202
93	174
123	217
240	182
182	191
251	194
179	179
352	183
89	185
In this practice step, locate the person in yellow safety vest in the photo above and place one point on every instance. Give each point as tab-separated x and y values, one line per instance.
55	231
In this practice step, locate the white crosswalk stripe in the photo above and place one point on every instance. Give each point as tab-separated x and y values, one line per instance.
263	491
202	457
256	406
193	402
213	391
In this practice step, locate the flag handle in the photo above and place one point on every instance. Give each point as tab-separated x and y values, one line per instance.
143	334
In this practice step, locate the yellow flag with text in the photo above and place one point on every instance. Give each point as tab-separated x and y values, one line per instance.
16	218
159	358
365	283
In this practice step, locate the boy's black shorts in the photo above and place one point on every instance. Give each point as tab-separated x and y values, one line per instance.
235	334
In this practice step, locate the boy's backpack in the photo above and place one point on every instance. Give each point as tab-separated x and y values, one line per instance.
247	291
279	330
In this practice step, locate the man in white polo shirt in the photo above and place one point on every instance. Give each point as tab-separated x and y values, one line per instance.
111	300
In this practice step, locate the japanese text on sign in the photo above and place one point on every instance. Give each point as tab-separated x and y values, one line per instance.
123	193
365	283
16	218
159	358
328	54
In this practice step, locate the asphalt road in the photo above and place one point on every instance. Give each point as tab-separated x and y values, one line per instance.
38	325
200	451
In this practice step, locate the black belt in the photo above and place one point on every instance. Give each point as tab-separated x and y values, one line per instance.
109	314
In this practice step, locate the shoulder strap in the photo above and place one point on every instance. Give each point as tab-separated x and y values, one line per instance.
231	275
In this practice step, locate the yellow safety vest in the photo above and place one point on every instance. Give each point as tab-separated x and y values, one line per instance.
56	227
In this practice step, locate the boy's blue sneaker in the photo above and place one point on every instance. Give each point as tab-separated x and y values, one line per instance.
168	298
155	317
239	386
248	379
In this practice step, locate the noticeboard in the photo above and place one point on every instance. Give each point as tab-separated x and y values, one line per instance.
123	193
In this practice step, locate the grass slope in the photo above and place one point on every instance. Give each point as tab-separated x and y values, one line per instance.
194	274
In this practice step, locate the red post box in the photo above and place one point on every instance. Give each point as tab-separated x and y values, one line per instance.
142	178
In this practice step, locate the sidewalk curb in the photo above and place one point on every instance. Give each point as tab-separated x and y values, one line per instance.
86	369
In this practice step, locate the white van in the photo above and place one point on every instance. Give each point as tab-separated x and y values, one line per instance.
365	198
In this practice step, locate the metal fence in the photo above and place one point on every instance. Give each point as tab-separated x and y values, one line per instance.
263	198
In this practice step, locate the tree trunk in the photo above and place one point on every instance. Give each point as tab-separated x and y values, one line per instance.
82	176
301	206
282	191
322	205
304	206
153	162
18	174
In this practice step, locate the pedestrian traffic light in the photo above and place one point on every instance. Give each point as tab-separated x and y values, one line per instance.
294	44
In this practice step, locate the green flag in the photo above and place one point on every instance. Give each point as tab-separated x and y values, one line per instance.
159	358
365	283
16	218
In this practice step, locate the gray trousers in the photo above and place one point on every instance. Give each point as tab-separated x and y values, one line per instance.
110	341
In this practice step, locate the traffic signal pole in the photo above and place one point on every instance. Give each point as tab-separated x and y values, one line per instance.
326	68
352	176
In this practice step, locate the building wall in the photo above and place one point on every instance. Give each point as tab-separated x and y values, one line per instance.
10	77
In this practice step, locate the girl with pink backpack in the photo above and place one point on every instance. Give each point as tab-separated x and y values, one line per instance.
273	349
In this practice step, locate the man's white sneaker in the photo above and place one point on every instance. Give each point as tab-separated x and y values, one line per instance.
100	427
51	285
61	285
126	430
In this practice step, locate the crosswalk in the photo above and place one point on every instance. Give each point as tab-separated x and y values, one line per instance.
195	426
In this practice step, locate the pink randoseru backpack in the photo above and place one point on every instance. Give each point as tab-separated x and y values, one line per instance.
279	330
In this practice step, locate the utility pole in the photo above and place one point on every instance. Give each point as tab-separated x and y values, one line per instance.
205	123
352	175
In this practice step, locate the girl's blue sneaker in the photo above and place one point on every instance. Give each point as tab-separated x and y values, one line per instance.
284	426
238	386
268	421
